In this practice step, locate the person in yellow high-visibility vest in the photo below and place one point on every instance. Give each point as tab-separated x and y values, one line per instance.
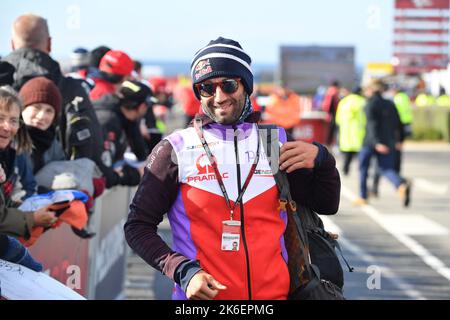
351	120
443	100
424	99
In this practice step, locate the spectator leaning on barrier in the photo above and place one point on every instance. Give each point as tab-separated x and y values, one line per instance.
180	180
22	164
119	115
78	129
42	105
12	132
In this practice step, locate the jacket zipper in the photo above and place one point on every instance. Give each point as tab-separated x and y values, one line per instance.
241	206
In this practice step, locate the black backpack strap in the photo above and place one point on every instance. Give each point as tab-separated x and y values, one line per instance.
269	135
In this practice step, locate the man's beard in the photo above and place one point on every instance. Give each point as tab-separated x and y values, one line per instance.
238	106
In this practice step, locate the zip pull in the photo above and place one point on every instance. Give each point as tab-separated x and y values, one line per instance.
231	214
350	268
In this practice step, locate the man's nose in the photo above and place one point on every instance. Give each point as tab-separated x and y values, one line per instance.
220	95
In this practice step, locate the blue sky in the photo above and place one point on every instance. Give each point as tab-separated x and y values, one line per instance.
175	29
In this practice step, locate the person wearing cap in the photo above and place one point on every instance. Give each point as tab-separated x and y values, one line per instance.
79	61
115	66
180	180
77	129
79	68
42	104
119	115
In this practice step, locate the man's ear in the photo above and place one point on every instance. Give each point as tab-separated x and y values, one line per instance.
13	47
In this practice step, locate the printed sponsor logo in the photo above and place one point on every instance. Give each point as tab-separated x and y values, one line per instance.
205	171
211	144
202	68
264	173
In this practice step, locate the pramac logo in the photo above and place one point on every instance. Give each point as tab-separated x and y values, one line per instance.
205	170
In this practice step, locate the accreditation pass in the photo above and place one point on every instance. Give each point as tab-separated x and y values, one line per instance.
231	235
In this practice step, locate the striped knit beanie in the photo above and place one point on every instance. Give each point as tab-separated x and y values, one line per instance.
222	58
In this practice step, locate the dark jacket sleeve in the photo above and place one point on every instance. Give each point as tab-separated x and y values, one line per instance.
136	140
154	197
318	188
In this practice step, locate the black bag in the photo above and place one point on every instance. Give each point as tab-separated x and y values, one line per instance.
316	272
322	248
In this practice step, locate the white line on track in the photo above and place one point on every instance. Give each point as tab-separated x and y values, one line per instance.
430	187
432	261
370	260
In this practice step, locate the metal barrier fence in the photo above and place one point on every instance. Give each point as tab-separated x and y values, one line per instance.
95	268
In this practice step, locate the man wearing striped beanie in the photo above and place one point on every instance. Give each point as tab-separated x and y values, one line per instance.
223	61
220	195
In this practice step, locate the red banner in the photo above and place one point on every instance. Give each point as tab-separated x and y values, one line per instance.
421	31
422	4
420	19
421	43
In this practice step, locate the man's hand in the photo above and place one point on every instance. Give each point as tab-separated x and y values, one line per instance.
296	155
203	287
44	217
381	148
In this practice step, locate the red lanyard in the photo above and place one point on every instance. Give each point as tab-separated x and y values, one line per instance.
199	129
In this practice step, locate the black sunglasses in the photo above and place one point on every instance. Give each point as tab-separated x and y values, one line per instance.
208	89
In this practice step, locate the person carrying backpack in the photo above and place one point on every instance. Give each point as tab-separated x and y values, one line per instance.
215	182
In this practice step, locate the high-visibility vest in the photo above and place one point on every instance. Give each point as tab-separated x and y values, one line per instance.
403	105
283	112
443	101
351	119
424	100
